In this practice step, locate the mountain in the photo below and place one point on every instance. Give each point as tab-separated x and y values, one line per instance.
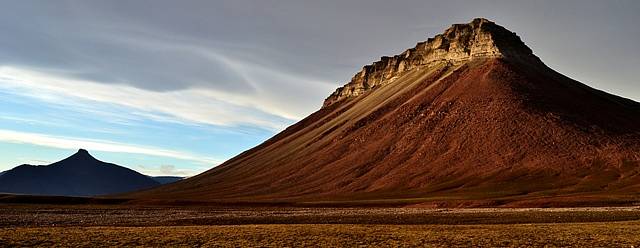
78	175
469	116
166	179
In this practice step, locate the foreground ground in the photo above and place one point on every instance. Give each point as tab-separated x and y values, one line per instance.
82	225
608	234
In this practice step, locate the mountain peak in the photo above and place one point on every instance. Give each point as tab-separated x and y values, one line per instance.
82	155
478	39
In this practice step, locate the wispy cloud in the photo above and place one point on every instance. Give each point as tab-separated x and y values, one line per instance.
99	145
272	89
185	106
164	170
29	121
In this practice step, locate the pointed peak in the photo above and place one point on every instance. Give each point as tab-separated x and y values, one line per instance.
80	158
82	154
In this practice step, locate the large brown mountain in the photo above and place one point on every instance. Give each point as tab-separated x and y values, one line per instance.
470	116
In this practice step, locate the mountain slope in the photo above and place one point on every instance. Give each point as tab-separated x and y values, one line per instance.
78	175
468	114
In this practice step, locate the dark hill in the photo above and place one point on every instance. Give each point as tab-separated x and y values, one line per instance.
78	175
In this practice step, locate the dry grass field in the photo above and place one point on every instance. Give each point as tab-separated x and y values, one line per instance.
92	226
607	234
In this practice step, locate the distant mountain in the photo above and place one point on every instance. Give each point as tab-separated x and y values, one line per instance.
167	179
78	175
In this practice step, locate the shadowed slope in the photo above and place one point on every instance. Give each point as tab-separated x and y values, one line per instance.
470	114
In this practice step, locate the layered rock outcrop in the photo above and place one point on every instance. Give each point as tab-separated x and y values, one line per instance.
460	43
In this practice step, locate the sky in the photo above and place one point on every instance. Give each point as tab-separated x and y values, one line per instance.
177	87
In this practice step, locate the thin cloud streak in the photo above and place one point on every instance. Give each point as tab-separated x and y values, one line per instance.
164	170
184	106
98	145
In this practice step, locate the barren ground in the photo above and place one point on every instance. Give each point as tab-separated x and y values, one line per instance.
83	225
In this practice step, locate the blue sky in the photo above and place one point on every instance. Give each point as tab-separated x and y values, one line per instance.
176	87
43	127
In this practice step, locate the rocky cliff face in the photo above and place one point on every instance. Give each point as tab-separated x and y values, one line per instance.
460	43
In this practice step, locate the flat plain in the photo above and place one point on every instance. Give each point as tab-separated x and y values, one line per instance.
216	226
